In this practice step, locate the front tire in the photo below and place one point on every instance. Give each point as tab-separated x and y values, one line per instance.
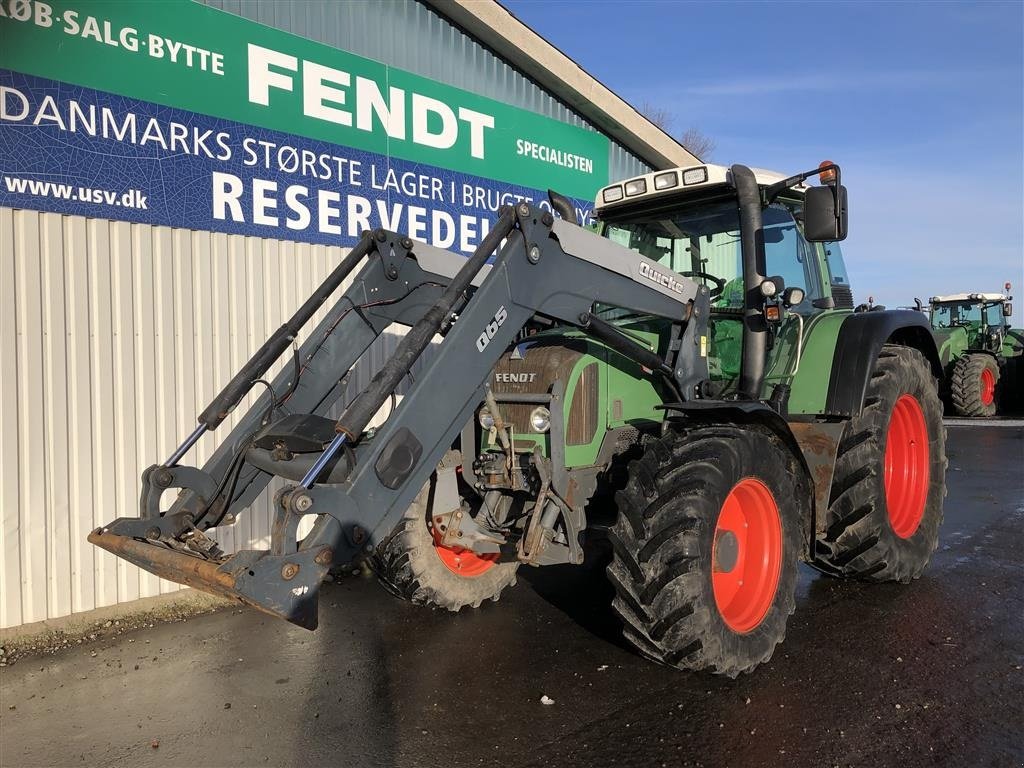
885	505
411	564
706	547
973	384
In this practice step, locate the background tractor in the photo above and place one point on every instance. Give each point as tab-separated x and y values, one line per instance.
981	354
696	362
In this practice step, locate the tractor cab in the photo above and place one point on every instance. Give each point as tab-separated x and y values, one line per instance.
689	220
979	352
981	317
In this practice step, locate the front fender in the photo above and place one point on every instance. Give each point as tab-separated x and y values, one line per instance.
812	446
860	340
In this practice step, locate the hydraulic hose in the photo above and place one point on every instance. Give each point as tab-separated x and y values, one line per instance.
755	329
273	347
358	414
562	206
625	346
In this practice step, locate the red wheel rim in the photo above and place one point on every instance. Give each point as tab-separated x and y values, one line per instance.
463	562
747	555
988	387
906	466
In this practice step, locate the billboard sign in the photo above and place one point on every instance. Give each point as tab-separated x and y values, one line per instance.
178	114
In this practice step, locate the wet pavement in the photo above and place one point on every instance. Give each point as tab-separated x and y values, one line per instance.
869	675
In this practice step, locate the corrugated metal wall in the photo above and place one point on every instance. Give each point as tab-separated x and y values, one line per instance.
113	336
409	35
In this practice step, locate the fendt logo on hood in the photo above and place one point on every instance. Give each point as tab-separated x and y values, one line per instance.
515	378
646	270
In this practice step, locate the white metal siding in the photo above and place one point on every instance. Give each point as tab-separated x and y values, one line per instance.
113	336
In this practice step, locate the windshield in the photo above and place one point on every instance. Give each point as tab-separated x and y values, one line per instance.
994	316
965	313
955	313
702	242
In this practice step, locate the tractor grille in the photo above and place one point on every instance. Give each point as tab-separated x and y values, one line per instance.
583	411
534	372
842	295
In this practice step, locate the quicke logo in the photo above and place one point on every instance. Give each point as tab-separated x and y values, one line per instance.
667	281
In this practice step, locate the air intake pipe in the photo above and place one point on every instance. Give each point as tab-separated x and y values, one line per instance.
755	329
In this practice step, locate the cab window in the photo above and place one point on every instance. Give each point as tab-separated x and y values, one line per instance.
956	313
994	316
702	242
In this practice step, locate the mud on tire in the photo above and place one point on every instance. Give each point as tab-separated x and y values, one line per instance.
876	529
664	545
409	566
973	385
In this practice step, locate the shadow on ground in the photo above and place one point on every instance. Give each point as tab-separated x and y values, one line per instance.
869	675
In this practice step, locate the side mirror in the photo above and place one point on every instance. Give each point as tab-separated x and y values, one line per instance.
824	220
1007	309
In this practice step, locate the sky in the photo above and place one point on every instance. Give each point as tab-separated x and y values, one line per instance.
921	104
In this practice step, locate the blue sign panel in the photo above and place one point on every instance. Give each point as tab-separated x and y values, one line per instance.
76	150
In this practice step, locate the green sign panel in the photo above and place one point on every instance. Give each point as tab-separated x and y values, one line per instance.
190	57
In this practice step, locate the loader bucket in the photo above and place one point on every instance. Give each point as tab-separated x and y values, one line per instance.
285	587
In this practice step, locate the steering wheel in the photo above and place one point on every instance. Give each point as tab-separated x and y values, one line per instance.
718	281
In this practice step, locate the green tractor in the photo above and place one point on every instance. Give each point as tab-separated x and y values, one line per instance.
980	353
690	384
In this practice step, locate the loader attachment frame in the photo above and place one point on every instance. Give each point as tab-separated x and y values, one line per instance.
359	486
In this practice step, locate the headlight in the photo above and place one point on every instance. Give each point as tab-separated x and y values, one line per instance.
613	194
666	180
636	187
540	419
695	175
485	419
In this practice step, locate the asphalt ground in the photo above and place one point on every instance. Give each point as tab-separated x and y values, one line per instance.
869	675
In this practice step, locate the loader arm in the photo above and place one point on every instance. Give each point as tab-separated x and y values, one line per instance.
358	487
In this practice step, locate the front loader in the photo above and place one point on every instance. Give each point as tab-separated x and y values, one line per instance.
687	367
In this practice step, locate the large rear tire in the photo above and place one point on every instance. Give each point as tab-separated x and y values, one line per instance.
706	547
885	505
973	385
411	564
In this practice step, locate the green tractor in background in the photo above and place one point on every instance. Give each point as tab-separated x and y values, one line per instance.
980	353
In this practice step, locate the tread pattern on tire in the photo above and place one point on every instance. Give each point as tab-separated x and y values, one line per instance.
965	385
407	566
858	541
662	542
